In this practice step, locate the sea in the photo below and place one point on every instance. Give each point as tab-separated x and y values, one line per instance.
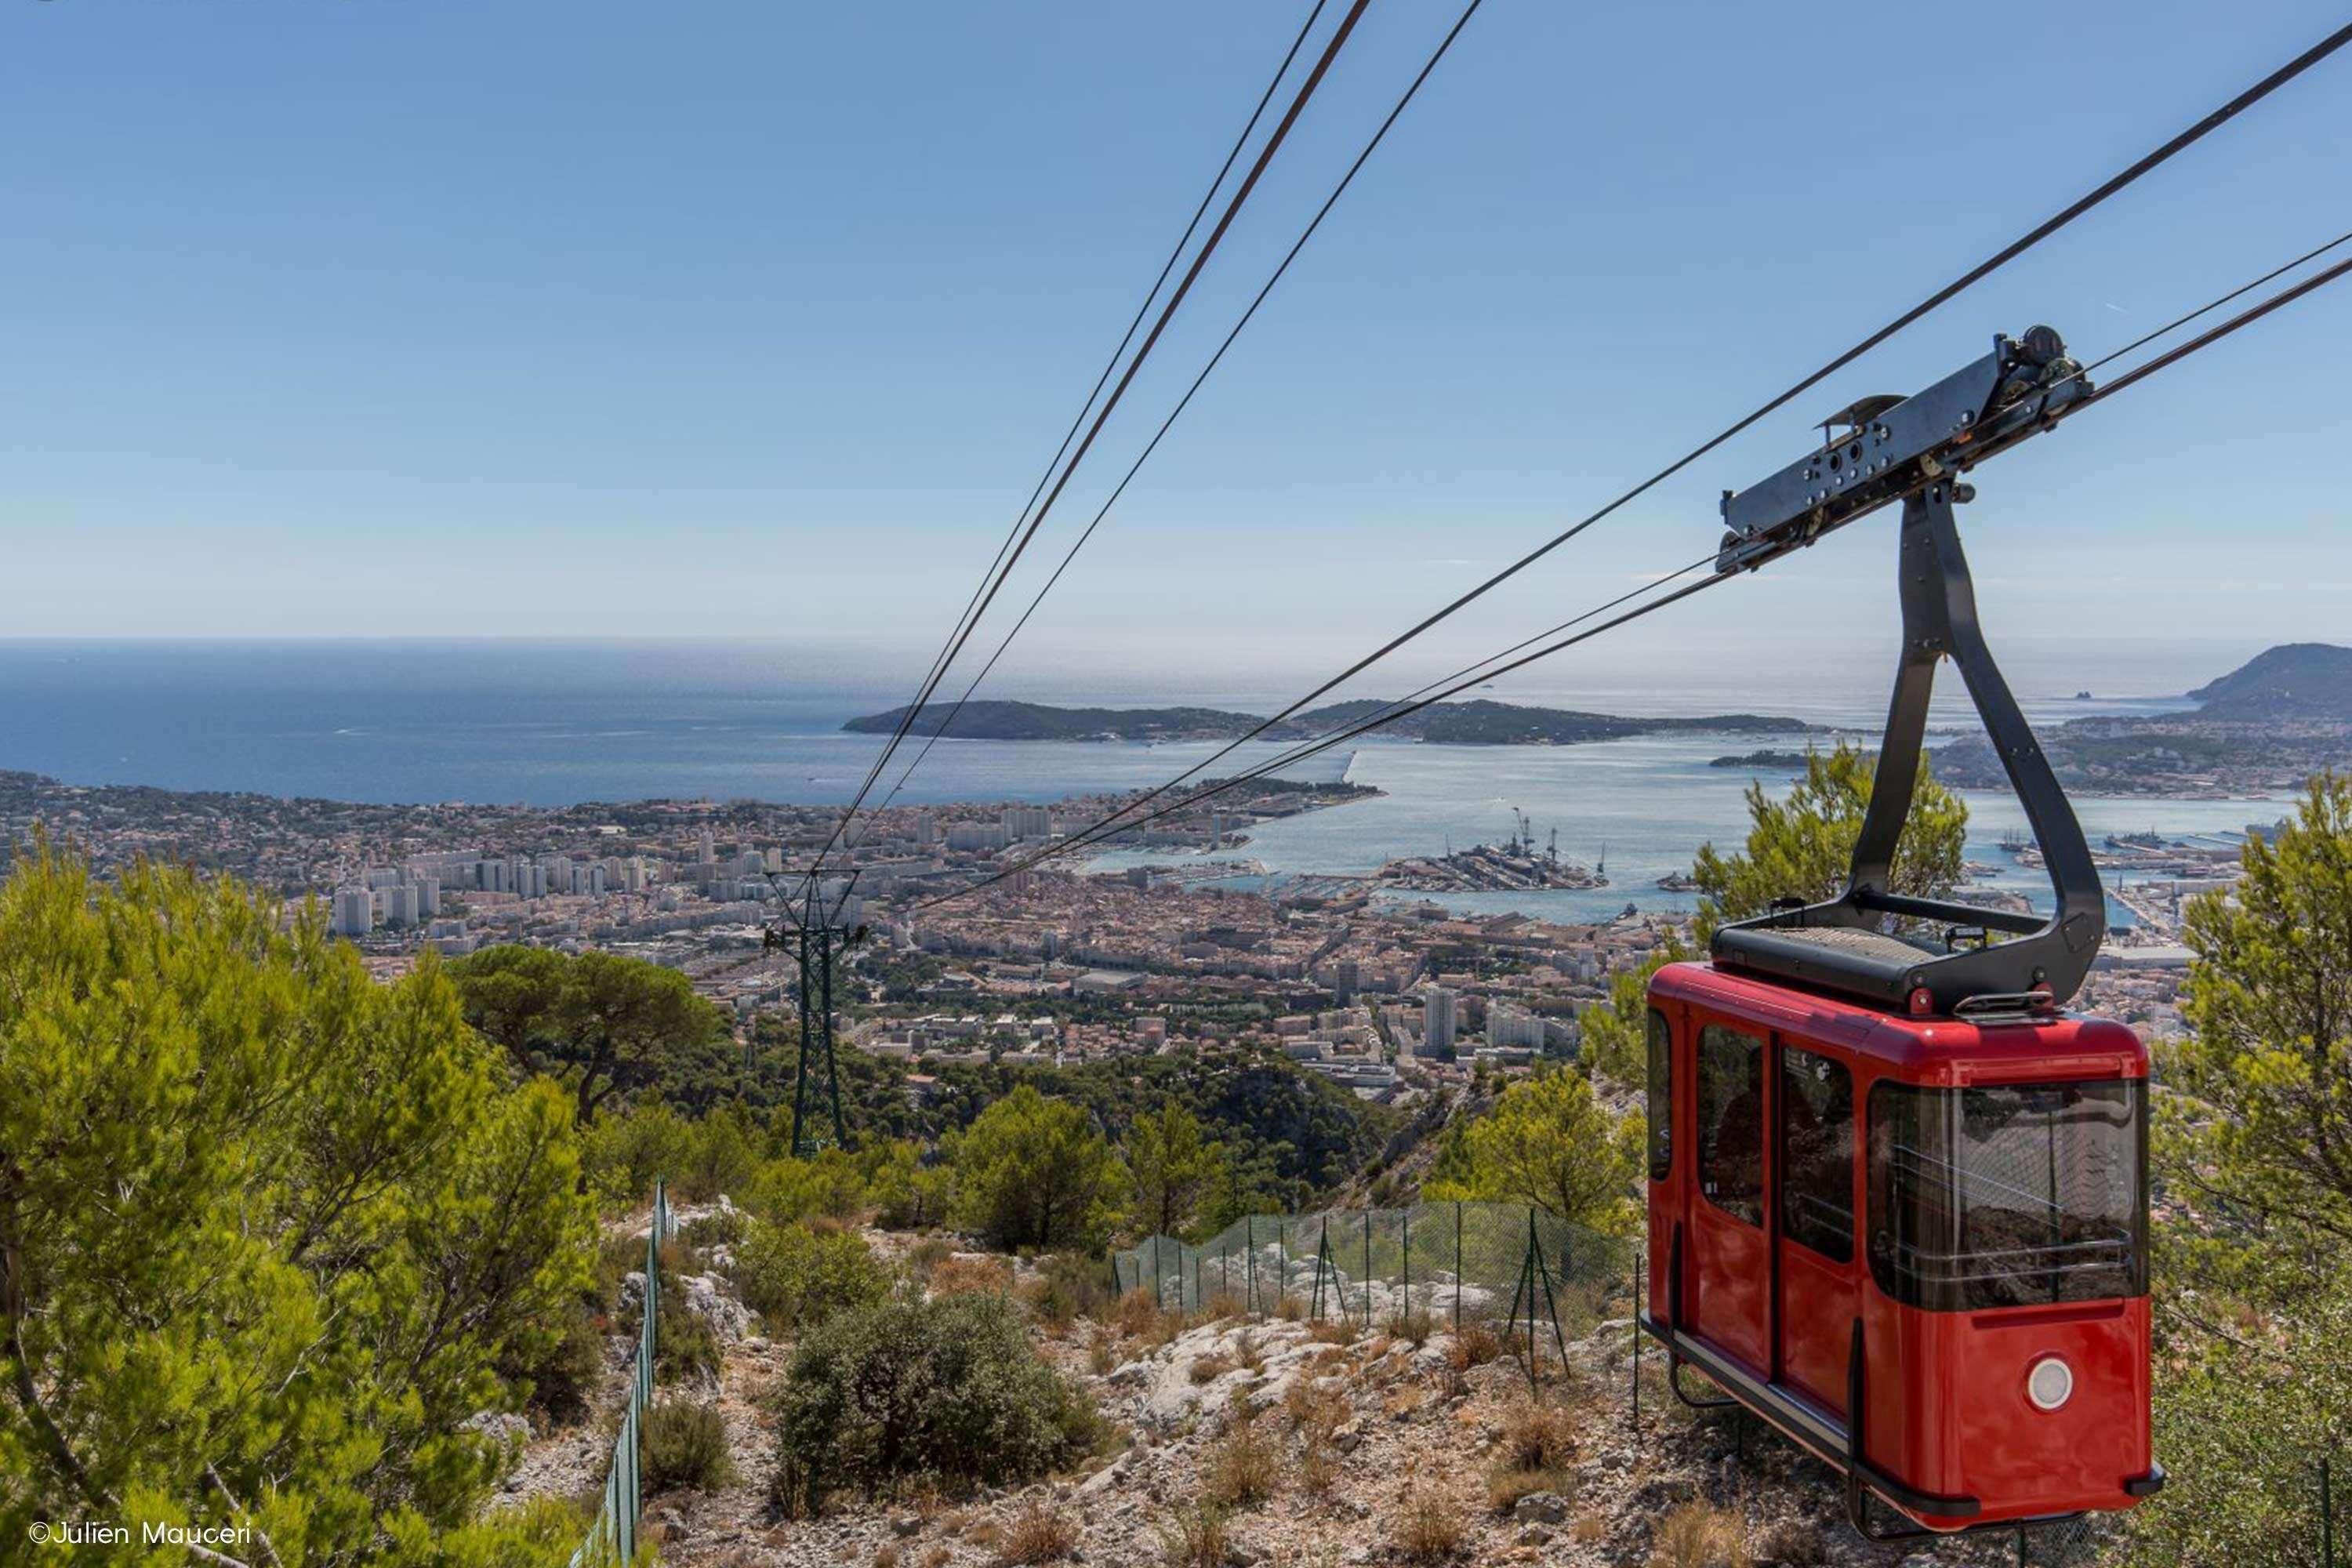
561	723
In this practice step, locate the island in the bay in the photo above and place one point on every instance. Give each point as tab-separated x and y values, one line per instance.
1473	724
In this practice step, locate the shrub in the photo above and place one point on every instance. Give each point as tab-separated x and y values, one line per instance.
929	1254
828	1186
944	1392
565	1370
1414	1326
1037	1534
1475	1345
685	1346
1428	1528
1243	1469
795	1278
907	1193
1207	1369
684	1449
719	1228
1195	1538
720	1158
1069	1286
1699	1535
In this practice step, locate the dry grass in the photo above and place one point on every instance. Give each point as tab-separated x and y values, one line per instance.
1195	1538
1318	1465
1428	1528
1037	1534
1537	1436
1225	1304
1452	1383
1138	1313
1291	1310
938	1554
1700	1535
1404	1401
1331	1331
886	1555
1208	1369
1101	1357
1248	1351
1243	1469
1314	1409
1413	1327
1475	1345
971	1276
1589	1528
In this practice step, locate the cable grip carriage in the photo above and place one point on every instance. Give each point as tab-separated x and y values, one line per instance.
1898	1195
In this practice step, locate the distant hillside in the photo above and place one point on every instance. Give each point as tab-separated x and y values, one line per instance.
1477	724
2267	725
2301	680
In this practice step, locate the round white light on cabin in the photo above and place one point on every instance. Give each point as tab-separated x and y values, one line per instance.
2050	1384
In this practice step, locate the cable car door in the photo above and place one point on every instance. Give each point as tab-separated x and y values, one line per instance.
1727	1271
1815	1176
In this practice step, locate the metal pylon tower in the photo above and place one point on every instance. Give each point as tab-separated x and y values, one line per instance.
815	937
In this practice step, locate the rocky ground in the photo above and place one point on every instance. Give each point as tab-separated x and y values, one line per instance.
1333	1451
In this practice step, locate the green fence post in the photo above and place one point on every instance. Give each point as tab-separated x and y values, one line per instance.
2327	1517
1249	1258
1405	1222
1368	1271
1457	1268
1636	1317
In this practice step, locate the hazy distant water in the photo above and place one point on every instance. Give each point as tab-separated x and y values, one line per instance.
555	724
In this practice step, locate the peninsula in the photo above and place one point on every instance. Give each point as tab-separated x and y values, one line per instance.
1474	723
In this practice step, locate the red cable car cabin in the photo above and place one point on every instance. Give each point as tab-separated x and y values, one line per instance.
1897	1199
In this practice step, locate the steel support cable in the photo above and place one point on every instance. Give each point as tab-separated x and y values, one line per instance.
1166	424
1166	267
2212	335
1102	414
1487	669
2001	258
1104	829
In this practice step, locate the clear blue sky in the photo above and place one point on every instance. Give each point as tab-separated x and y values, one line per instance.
747	317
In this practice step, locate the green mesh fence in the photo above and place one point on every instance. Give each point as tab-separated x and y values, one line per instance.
1520	1271
612	1540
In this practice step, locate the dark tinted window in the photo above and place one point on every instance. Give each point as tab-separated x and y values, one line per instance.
1817	1154
1662	1097
1732	1122
2011	1195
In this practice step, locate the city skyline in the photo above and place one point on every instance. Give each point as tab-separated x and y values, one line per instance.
628	338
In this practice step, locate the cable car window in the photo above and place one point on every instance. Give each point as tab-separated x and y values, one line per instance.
1662	1097
1732	1122
2013	1195
1817	1154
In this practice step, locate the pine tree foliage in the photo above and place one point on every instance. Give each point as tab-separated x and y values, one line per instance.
1801	846
267	1229
1173	1168
1549	1143
1033	1171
